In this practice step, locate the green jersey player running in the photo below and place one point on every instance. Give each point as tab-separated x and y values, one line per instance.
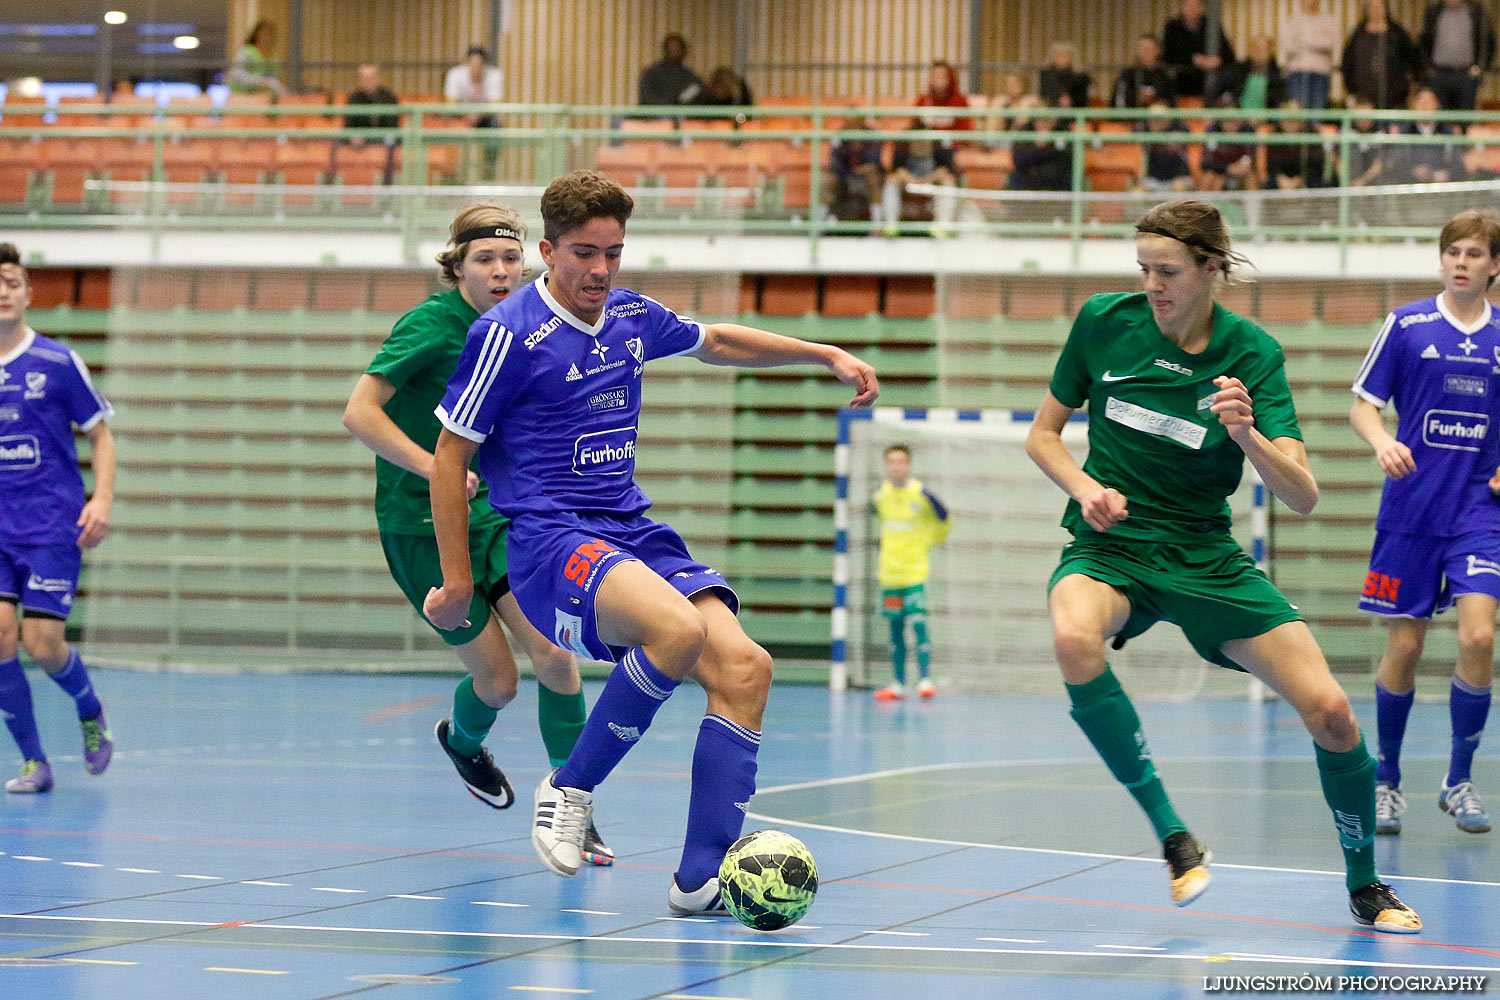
1180	392
391	411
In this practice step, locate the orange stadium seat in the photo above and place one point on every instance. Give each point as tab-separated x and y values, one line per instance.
81	120
223	290
398	291
51	286
69	162
973	296
364	166
983	169
128	160
1352	302
23	112
244	161
910	296
1289	302
16	159
158	288
1237	298
789	294
280	290
341	291
302	162
749	294
851	295
1041	297
95	288
187	162
629	163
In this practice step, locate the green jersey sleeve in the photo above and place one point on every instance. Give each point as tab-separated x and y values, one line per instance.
1271	397
406	351
1070	377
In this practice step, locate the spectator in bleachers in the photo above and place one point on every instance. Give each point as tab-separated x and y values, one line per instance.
1254	83
1425	163
1062	84
943	92
254	69
858	177
1196	48
668	80
920	161
1296	165
1368	157
1458	45
1228	159
1012	93
1380	60
1308	38
1167	167
1145	81
1041	164
475	81
725	89
369	90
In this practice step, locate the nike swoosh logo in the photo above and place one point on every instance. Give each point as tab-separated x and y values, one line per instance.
768	897
1116	378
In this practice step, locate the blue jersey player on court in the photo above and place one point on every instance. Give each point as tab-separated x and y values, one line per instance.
1437	536
548	391
45	522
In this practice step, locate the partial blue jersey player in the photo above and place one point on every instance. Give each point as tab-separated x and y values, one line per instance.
548	393
1437	534
45	522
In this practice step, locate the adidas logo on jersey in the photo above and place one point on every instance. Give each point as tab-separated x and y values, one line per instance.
628	734
1431	351
573	374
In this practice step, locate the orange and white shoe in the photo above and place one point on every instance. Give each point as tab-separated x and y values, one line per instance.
926	689
891	692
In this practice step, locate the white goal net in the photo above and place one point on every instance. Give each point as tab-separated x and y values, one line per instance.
986	596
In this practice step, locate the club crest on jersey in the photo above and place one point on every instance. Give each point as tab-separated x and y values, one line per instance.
637	349
36	382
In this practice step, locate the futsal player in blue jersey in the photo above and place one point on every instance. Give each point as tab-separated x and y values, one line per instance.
548	392
1437	536
45	522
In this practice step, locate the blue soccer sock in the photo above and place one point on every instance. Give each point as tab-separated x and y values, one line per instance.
621	716
74	679
898	648
924	646
1391	711
723	781
15	705
1469	706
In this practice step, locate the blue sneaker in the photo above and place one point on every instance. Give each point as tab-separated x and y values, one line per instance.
1462	803
35	778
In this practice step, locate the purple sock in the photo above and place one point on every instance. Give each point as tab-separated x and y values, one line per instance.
74	679
1468	706
723	781
1391	711
15	705
622	714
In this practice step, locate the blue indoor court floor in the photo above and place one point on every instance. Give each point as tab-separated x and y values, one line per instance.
292	837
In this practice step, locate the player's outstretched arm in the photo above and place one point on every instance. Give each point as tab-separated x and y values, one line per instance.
447	606
1393	457
747	347
366	419
1282	463
1103	506
93	521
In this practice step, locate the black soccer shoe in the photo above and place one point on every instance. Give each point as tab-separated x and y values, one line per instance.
485	781
1187	862
1376	905
595	851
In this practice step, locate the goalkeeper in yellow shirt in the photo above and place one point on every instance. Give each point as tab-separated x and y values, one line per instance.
912	521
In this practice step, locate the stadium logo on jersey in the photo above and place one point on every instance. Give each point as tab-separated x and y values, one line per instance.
1184	432
1406	321
35	383
568	634
609	399
605	453
19	451
1464	385
637	349
573	374
1431	352
1478	565
1454	429
1172	366
540	334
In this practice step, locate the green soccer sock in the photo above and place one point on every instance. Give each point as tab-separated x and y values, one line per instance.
924	646
472	719
1349	789
561	718
898	647
1106	716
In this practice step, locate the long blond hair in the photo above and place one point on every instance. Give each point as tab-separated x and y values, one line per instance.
481	214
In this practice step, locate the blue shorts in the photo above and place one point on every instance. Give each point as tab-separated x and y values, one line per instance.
557	562
40	578
1418	576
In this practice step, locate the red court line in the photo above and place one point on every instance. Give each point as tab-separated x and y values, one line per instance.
401	709
1377	935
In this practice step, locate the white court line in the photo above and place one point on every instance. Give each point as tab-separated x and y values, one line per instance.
594	913
402	895
203	878
29	857
1131	947
760	942
327	889
256	881
82	864
1014	940
899	933
518	906
969	765
140	871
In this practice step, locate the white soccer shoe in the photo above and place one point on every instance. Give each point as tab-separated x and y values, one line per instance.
561	817
704	899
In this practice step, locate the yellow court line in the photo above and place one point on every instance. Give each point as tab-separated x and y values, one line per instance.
253	972
550	989
98	961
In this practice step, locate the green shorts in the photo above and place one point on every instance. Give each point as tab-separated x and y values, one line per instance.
899	602
415	567
1210	589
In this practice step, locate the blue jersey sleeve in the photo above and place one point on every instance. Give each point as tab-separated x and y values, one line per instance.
1377	378
86	407
668	334
490	375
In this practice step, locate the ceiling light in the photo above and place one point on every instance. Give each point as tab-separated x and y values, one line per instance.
185	42
115	17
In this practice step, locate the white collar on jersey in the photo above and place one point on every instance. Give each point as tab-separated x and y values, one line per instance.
565	315
25	345
1473	327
